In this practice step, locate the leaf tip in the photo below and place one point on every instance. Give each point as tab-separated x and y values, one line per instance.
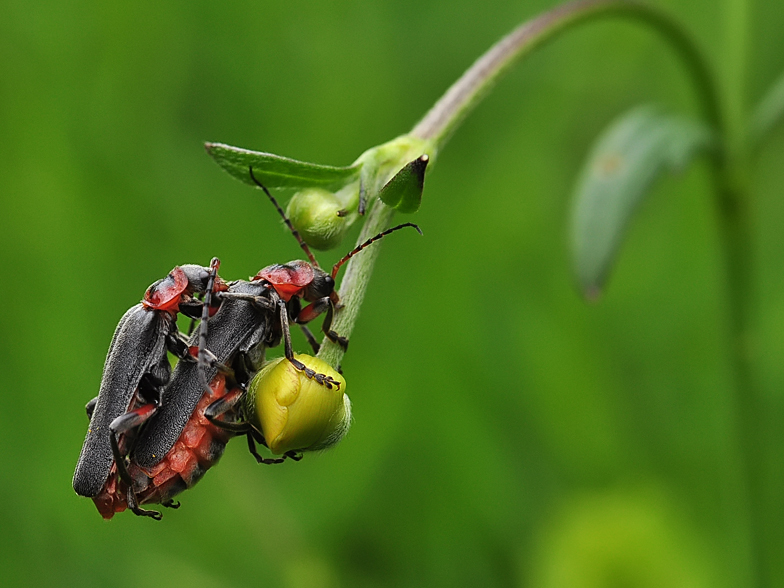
592	293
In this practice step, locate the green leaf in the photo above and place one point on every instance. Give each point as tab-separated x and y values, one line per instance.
768	113
628	157
275	171
404	190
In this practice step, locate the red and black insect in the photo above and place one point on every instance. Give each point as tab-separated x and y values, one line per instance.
283	287
188	432
305	280
136	370
179	443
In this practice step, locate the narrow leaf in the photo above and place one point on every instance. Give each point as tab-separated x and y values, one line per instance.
768	113
628	157
404	190
275	171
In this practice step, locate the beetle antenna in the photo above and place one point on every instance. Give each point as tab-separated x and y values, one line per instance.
351	254
205	315
286	220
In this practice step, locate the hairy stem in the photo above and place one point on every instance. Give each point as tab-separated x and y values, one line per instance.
445	116
356	279
468	91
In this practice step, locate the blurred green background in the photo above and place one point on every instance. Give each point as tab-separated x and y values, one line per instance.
506	433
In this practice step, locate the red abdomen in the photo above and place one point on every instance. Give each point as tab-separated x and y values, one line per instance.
198	448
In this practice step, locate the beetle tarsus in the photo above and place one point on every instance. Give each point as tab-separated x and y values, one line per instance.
260	458
133	504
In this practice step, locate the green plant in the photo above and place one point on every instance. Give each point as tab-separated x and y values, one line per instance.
638	147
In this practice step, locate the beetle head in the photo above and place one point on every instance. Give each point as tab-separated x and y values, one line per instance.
322	285
199	277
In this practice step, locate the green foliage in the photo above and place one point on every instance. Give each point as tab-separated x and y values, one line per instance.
489	400
627	158
275	171
768	112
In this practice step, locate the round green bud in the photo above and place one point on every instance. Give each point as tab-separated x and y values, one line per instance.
320	217
295	412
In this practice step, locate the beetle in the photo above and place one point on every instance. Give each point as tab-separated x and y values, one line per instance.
305	280
137	368
282	287
178	444
170	453
253	316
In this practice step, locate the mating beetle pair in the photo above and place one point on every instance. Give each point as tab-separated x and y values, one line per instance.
187	423
136	370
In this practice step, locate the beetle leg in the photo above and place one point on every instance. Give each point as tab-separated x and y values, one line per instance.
322	379
227	403
314	309
294	455
314	344
212	361
171	503
191	308
178	345
288	350
122	424
260	301
259	458
223	405
255	435
326	327
192	325
90	407
133	504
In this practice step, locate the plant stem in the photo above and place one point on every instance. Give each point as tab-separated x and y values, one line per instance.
734	234
445	116
356	279
468	91
733	187
730	167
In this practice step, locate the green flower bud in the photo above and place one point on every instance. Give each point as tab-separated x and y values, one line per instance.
297	413
322	217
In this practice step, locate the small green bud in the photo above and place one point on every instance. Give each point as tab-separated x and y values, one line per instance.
297	413
322	217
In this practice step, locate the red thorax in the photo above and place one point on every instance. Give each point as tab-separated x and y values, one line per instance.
288	280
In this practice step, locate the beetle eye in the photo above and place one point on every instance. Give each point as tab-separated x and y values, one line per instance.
329	283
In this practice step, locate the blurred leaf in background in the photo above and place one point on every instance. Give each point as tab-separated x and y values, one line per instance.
511	401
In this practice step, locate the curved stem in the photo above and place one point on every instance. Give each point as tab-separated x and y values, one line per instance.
468	91
438	124
729	167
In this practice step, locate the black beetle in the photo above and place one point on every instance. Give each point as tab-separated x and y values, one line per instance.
137	368
179	443
188	431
